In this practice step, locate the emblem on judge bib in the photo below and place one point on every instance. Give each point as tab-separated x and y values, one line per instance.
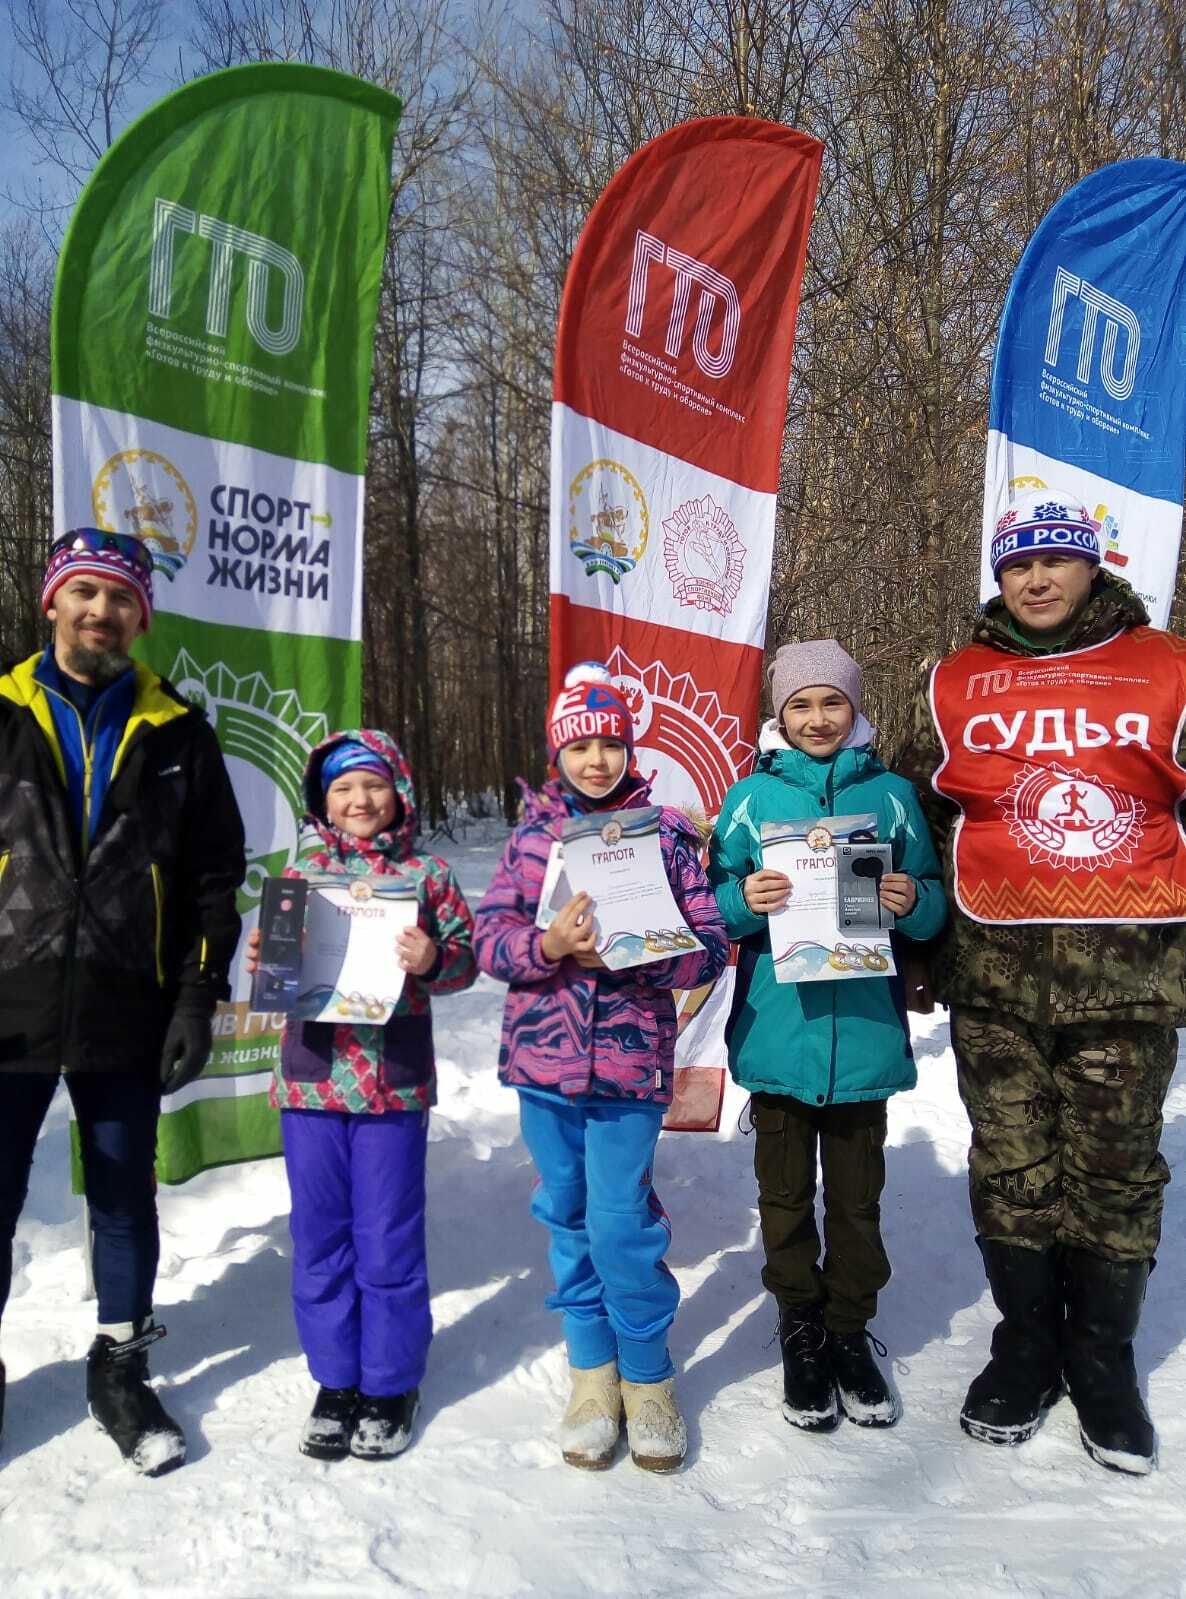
1063	817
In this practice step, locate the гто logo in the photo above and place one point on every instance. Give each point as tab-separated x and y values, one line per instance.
140	492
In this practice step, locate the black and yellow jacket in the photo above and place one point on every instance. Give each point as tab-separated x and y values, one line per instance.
98	943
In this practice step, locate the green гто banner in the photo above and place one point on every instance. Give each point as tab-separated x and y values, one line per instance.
212	336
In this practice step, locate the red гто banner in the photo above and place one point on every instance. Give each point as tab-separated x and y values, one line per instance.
673	357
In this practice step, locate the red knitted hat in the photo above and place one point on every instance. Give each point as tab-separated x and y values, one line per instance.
590	705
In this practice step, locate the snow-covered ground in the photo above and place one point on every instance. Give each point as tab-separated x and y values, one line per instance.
482	1503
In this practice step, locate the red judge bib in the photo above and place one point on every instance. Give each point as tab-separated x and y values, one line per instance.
1064	771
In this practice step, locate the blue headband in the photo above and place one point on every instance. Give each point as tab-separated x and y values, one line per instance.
351	756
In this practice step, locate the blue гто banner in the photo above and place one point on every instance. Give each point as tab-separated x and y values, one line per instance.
1089	381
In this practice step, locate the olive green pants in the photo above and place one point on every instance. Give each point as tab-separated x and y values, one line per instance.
850	1143
1066	1124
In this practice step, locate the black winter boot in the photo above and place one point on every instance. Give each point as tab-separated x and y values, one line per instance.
1006	1401
1104	1300
808	1388
383	1425
125	1406
326	1434
865	1396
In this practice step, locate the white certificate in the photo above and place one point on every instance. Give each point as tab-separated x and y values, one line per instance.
616	858
555	890
806	939
350	972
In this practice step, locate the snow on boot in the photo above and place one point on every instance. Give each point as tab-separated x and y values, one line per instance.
1103	1309
654	1427
808	1386
593	1421
383	1425
1006	1402
326	1434
3	1385
126	1408
865	1397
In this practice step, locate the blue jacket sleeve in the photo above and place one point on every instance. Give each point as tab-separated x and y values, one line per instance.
733	853
915	855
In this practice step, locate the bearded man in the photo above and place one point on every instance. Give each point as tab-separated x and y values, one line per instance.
121	848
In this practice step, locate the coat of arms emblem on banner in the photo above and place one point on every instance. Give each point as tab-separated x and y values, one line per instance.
608	519
704	555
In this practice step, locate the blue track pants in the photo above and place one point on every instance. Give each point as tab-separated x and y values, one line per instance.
609	1231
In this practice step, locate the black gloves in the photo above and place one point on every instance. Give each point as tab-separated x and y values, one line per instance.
186	1049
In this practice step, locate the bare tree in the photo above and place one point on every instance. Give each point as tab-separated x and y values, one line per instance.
26	274
73	74
70	84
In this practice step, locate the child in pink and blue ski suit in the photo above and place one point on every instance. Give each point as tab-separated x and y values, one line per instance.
591	1051
354	1104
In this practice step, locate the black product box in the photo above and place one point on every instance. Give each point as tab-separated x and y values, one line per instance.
859	870
282	923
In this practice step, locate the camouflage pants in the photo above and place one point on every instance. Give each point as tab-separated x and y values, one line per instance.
1066	1124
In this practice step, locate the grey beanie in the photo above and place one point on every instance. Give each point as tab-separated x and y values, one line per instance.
817	662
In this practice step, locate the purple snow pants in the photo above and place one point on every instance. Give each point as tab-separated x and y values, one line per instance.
359	1269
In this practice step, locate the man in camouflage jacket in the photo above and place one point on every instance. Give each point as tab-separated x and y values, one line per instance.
1048	756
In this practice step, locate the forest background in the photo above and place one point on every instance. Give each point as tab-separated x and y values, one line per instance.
949	127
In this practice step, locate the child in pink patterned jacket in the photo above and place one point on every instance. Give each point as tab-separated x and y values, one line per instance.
591	1054
354	1102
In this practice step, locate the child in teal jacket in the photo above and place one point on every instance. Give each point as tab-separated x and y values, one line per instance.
820	1059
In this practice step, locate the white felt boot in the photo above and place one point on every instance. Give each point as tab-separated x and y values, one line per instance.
593	1420
654	1426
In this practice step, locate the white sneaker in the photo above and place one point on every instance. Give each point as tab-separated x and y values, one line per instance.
654	1426
593	1421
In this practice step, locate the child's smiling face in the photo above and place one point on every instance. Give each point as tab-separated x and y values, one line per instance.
817	720
594	765
361	803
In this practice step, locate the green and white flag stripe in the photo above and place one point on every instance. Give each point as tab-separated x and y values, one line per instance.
213	331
